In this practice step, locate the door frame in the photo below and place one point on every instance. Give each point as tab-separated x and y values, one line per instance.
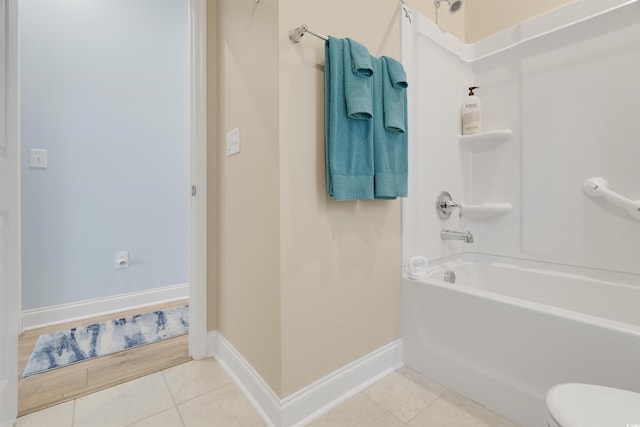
197	28
198	165
11	113
198	144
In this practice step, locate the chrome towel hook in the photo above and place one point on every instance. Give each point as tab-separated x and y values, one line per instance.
407	13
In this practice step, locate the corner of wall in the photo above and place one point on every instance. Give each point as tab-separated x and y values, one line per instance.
249	196
212	166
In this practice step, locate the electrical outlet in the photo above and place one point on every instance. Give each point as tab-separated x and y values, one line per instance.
122	259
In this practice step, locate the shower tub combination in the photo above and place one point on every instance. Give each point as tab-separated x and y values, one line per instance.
509	329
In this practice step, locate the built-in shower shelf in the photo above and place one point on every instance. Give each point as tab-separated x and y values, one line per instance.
485	210
485	140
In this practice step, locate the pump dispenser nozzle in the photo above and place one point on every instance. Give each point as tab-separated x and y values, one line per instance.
471	89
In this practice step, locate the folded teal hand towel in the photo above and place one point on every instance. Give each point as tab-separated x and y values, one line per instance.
390	147
361	63
396	73
358	83
348	142
394	92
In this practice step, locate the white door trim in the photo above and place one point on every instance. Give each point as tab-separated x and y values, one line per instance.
10	194
198	132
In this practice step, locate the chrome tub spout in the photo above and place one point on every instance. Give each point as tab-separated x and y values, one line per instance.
457	235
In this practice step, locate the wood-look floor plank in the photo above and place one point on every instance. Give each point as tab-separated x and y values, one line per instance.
47	389
146	360
60	385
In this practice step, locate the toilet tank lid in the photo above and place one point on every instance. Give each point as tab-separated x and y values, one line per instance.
586	405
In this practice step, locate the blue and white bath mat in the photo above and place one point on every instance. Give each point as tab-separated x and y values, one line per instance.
74	345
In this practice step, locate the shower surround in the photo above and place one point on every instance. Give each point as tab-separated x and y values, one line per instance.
559	99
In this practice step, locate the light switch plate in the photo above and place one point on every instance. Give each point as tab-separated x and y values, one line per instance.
233	142
38	158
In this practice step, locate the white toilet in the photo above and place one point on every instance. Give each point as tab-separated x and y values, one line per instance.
585	405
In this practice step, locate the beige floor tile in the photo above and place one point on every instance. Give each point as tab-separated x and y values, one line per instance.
358	411
404	393
195	378
454	410
124	404
225	406
168	418
56	416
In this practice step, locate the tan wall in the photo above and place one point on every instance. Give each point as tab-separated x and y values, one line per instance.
488	17
341	261
249	193
305	285
212	166
338	297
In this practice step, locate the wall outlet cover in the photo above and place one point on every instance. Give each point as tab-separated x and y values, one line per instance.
122	259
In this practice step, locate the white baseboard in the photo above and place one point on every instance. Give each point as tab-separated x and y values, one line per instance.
316	399
264	400
39	317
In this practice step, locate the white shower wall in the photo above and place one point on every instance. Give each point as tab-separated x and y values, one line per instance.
570	96
437	78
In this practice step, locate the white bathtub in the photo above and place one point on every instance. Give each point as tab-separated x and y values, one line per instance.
509	329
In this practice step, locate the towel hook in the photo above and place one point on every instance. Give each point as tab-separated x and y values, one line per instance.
407	14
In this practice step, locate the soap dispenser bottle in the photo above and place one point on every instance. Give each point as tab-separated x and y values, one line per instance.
472	113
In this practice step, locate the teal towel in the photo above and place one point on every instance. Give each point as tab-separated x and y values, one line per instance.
361	63
358	84
390	147
396	73
348	142
394	92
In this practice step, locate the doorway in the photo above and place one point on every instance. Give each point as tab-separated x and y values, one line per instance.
90	152
105	152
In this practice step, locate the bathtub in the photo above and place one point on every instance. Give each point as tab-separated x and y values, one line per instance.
509	329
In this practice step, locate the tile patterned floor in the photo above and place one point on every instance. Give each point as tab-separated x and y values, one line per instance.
200	393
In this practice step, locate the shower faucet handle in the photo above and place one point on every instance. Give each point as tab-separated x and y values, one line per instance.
450	206
445	205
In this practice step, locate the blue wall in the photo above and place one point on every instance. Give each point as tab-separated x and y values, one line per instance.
104	88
